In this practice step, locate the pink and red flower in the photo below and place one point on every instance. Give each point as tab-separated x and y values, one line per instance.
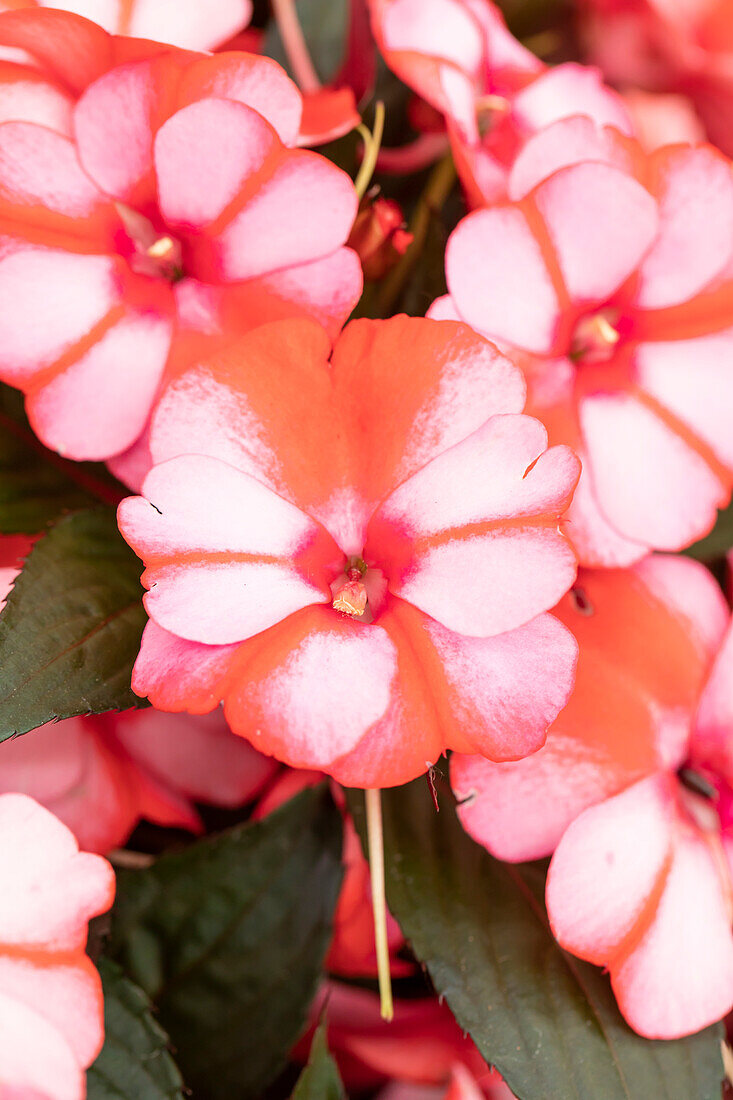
610	270
668	46
177	204
632	792
405	491
493	93
51	1014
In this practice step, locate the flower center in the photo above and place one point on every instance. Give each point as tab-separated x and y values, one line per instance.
596	336
150	252
358	591
490	109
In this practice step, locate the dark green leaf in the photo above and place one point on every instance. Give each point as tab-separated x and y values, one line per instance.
228	938
720	540
135	1063
320	1079
546	1020
71	627
36	485
325	26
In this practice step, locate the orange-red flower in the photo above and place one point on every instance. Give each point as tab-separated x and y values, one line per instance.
633	793
356	556
176	203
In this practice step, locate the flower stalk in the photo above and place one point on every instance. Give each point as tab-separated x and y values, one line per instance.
375	838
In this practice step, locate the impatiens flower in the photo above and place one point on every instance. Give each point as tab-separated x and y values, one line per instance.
668	46
422	1050
177	204
101	775
494	94
356	556
191	24
352	952
633	791
51	1019
609	270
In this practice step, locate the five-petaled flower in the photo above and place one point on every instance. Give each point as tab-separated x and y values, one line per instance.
610	271
176	205
633	791
357	556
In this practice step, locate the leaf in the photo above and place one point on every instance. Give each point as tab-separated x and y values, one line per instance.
720	540
228	938
135	1063
36	485
546	1020
71	627
325	25
320	1080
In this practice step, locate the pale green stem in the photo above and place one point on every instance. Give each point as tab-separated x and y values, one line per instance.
372	145
375	837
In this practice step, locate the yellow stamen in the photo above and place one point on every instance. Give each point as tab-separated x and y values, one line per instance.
162	249
351	599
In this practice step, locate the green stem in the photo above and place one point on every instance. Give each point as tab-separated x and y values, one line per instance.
372	144
438	188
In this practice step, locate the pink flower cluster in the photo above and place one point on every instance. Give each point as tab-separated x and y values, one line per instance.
370	543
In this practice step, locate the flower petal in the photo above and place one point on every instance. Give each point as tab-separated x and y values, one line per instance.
498	279
462	537
601	223
226	557
50	889
695	196
676	498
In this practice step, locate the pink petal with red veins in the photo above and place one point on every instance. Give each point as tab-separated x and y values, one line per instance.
601	223
100	404
649	483
559	145
608	869
36	1059
466	557
67	995
257	82
178	675
50	889
114	129
567	90
680	977
303	212
692	378
78	292
504	692
185	23
317	699
498	279
695	237
221	551
204	155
